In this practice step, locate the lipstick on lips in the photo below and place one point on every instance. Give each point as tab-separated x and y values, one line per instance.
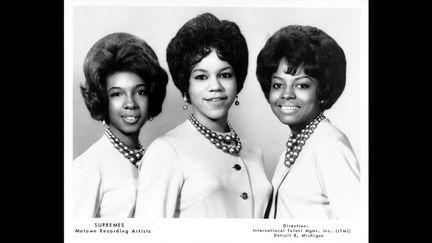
288	108
216	99
130	118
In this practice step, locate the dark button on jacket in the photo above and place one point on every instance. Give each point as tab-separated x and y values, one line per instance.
237	167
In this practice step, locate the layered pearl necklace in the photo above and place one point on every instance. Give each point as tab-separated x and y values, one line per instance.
133	155
229	143
296	142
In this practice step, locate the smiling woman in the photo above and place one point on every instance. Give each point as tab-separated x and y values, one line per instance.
124	87
301	71
201	168
127	104
212	90
293	97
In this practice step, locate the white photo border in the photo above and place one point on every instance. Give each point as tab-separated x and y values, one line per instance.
213	230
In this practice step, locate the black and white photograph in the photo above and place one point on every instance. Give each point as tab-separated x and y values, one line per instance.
216	121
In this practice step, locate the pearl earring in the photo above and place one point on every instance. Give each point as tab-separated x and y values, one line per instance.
103	122
185	106
150	118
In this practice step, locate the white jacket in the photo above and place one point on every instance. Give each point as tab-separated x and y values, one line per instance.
104	182
184	175
324	181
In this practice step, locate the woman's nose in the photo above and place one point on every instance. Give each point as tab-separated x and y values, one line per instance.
214	84
288	93
129	102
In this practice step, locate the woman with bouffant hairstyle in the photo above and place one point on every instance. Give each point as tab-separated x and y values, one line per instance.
302	70
201	168
124	87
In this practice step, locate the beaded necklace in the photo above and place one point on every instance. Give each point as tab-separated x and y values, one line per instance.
296	142
229	143
133	155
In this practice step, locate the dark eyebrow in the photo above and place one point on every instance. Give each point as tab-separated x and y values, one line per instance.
113	88
118	88
225	68
275	76
143	85
205	71
304	76
199	70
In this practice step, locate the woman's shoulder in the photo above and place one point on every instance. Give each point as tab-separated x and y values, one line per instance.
166	143
330	140
162	152
159	142
251	151
328	132
171	136
250	147
177	132
94	155
182	136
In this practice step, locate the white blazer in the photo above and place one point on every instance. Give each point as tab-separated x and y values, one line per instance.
104	182
184	175
324	181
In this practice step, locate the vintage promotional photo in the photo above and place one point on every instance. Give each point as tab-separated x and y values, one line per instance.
216	121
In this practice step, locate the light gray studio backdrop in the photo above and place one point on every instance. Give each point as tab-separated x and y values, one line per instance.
252	119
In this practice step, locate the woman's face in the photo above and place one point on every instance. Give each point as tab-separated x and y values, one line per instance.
127	103
293	98
212	89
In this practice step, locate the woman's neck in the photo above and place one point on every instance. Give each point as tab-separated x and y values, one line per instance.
295	129
131	140
217	125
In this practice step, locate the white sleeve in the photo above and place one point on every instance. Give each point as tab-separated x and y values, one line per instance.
340	178
160	182
86	188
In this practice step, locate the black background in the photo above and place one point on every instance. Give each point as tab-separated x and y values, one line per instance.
33	120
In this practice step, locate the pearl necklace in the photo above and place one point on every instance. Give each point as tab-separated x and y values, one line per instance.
133	155
296	142
229	143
